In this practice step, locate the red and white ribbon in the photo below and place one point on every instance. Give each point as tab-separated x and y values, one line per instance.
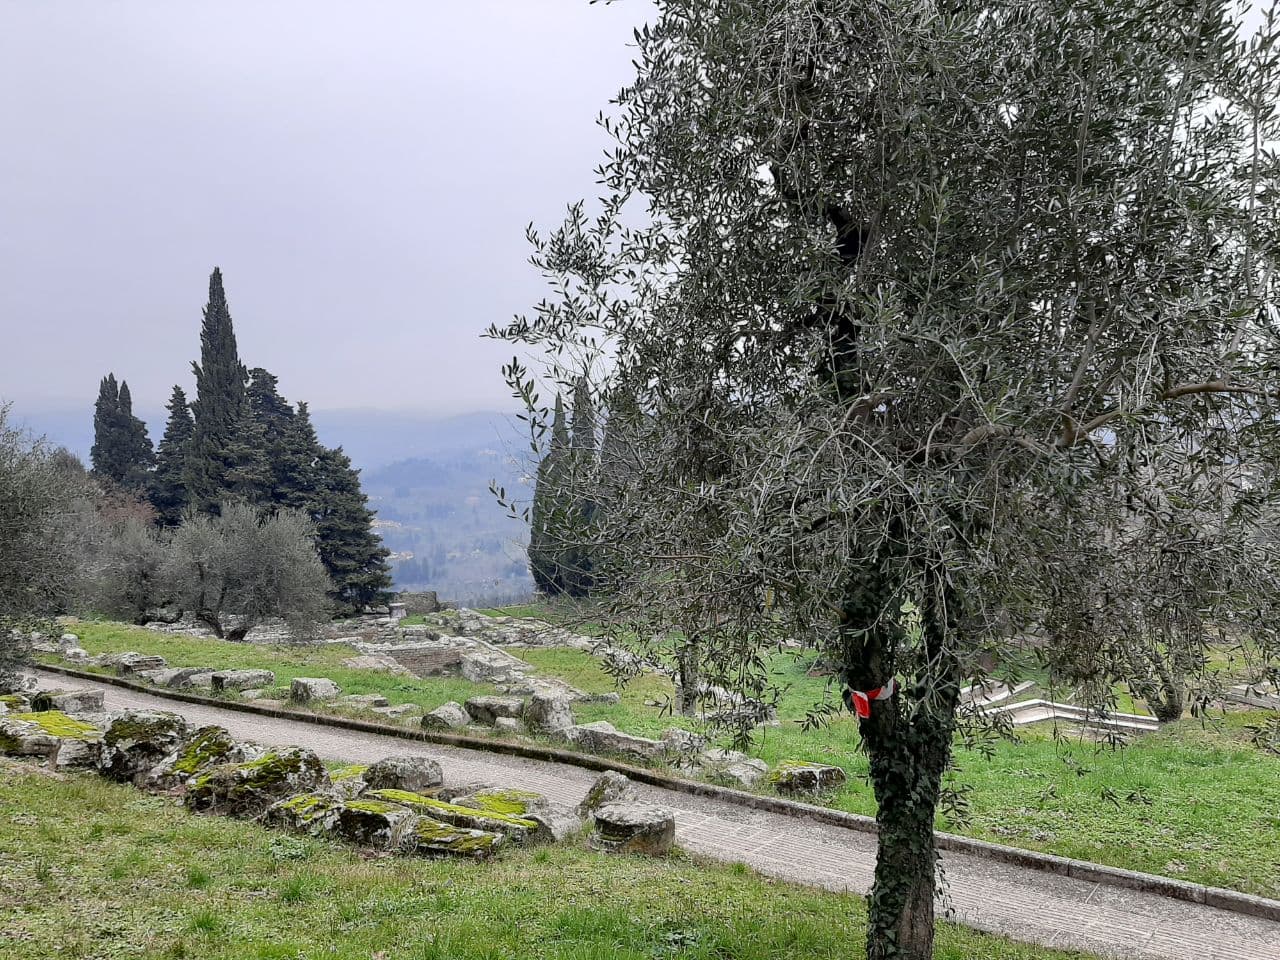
860	703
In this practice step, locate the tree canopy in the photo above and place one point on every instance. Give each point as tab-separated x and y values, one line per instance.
959	298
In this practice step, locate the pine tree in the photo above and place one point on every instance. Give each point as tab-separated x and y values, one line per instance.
350	550
121	451
168	491
218	410
289	441
544	529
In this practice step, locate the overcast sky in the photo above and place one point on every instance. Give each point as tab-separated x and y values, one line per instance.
362	172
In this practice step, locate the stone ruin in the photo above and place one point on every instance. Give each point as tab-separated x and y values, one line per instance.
399	805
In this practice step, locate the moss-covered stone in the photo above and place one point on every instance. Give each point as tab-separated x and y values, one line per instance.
803	776
508	802
207	747
137	741
517	829
58	724
248	789
340	774
315	814
46	733
433	838
376	824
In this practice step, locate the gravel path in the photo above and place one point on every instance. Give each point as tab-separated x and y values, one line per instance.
1028	905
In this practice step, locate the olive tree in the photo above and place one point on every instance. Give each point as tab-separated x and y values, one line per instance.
941	284
36	561
234	570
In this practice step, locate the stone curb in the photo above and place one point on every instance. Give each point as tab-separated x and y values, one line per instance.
1217	897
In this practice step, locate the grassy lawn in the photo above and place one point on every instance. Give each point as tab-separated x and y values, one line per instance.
90	869
1198	802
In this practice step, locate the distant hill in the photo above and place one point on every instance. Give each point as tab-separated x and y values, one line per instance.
428	478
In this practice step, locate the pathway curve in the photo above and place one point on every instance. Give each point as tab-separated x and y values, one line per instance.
1028	905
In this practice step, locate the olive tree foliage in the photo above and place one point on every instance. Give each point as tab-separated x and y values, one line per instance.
37	493
964	297
122	566
236	569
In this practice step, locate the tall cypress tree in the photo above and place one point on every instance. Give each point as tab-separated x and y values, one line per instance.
168	491
105	454
350	550
218	409
121	450
136	451
576	561
544	526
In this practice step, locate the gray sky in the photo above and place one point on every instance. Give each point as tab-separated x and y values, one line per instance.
361	171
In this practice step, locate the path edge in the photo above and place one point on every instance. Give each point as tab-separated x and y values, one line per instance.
1232	901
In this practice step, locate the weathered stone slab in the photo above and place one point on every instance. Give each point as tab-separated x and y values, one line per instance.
206	748
46	734
548	714
347	783
447	716
69	701
365	701
306	689
486	710
431	838
509	725
126	664
732	767
517	829
634	828
225	680
137	740
411	773
804	777
604	737
375	823
399	710
248	789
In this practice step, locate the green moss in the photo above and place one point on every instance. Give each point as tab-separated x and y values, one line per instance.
15	702
374	806
511	803
308	806
271	767
137	728
209	745
439	808
346	773
58	724
449	839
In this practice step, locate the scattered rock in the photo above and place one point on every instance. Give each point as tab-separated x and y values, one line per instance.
365	701
69	701
50	734
375	823
254	694
486	710
305	689
399	710
447	716
347	783
610	787
634	828
76	655
604	737
431	838
126	664
803	777
314	814
247	789
137	740
224	680
414	774
516	829
732	767
682	743
208	747
548	714
509	725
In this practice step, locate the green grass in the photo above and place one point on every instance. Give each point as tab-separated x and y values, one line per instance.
1198	802
119	885
286	661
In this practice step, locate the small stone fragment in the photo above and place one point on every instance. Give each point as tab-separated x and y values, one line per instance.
306	689
136	741
447	716
69	701
803	777
412	773
545	713
226	680
486	710
610	787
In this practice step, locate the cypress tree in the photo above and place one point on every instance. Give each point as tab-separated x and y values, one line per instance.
218	410
289	441
121	450
137	454
105	453
544	531
168	492
577	503
350	550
